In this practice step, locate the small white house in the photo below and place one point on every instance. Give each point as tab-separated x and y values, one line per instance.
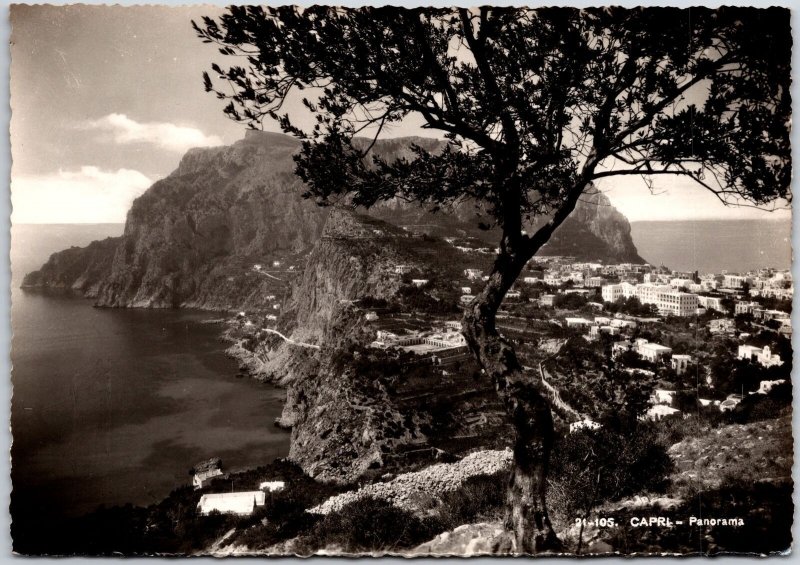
652	352
764	387
660	411
239	503
419	282
272	486
370	316
466	290
680	363
662	396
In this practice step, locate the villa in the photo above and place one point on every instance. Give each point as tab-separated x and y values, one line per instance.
239	503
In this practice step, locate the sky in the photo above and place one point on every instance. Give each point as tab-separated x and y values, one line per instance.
106	100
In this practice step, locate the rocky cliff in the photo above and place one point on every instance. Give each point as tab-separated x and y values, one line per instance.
228	230
343	422
82	269
192	238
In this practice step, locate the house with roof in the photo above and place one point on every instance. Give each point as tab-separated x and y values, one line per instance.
761	355
660	411
652	352
680	363
272	486
239	503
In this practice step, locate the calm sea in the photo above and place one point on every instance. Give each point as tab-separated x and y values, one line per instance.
115	406
714	245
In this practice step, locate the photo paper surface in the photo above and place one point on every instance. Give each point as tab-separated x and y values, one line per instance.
421	282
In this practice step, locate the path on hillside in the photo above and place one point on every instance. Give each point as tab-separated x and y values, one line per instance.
290	340
266	274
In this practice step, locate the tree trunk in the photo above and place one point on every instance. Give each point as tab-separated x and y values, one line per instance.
526	512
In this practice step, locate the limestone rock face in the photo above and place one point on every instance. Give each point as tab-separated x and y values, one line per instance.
342	424
189	239
194	239
82	269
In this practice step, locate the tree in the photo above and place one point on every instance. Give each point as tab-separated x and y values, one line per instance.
535	107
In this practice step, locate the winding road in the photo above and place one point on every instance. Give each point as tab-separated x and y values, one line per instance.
290	340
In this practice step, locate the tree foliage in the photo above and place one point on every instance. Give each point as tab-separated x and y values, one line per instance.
536	104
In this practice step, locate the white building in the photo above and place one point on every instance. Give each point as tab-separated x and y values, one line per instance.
240	503
552	278
762	356
764	387
473	274
647	293
745	307
733	281
466	290
659	412
593	282
419	282
677	303
620	323
402	269
272	486
713	302
611	292
652	352
680	363
678	283
628	290
662	396
577	322
370	316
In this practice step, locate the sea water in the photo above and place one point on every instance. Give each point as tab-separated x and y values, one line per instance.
112	406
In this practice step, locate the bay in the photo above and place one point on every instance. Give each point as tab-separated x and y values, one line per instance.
114	406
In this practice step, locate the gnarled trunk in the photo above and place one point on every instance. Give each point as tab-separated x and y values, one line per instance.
526	514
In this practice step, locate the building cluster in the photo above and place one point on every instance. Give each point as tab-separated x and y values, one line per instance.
668	299
448	339
761	355
241	503
654	353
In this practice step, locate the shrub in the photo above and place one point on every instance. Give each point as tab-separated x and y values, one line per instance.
369	525
589	467
480	498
